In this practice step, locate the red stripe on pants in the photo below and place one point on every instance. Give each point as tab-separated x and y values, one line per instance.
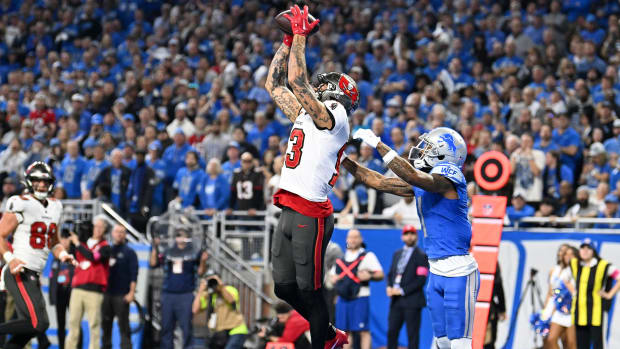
22	290
318	248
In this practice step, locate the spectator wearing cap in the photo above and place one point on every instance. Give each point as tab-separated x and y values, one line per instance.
112	125
181	121
72	168
111	184
79	112
592	299
142	181
596	169
519	208
405	287
128	120
159	167
94	167
527	166
188	180
233	162
610	211
568	141
214	190
591	31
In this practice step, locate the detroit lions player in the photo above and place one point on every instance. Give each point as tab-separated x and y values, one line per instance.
441	191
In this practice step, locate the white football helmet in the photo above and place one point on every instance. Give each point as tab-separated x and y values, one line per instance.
442	144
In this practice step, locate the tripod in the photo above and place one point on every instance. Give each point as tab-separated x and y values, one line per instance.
534	291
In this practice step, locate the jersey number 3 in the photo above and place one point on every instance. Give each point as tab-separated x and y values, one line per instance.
294	156
41	234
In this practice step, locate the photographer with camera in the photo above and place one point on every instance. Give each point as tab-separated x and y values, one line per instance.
121	289
224	319
181	264
90	280
294	326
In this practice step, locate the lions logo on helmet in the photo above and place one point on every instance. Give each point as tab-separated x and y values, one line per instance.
440	145
39	171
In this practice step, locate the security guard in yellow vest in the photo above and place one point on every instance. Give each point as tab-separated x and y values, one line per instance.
591	274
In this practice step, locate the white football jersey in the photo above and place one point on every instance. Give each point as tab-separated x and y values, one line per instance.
313	155
37	227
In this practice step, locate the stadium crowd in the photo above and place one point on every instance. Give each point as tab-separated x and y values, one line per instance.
142	102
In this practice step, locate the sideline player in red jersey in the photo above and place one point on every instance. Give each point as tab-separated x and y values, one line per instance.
33	220
315	145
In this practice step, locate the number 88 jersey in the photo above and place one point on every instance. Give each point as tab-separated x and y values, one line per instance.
36	231
313	154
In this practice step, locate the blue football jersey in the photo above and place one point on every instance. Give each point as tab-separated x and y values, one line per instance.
447	231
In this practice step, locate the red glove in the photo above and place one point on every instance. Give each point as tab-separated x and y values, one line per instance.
287	40
299	21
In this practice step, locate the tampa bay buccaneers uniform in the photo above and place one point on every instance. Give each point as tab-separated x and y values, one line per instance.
38	217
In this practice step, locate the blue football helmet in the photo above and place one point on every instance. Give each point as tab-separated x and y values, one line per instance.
442	144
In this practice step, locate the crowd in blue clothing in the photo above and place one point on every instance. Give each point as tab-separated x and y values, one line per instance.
92	87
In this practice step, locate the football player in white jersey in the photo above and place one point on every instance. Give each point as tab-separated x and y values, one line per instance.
315	145
33	220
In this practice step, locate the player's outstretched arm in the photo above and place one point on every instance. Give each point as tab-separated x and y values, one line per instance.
298	79
276	81
376	180
402	167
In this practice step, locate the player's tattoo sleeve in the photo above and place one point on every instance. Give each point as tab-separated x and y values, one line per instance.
298	79
276	84
403	169
377	181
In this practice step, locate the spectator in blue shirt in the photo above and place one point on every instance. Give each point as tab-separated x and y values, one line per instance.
72	168
591	31
159	167
401	82
379	61
174	155
610	211
569	142
121	289
589	60
545	140
554	174
111	184
366	89
260	133
519	209
510	63
95	166
234	162
80	113
214	190
612	145
188	180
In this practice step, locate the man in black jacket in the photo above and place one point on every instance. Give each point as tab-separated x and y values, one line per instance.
406	281
246	191
140	192
111	184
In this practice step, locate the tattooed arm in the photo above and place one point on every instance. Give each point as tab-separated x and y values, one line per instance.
430	182
377	181
276	84
298	79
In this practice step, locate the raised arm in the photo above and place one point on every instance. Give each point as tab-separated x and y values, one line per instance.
276	81
376	180
434	183
297	71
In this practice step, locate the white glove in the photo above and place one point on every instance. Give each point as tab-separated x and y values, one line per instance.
367	136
